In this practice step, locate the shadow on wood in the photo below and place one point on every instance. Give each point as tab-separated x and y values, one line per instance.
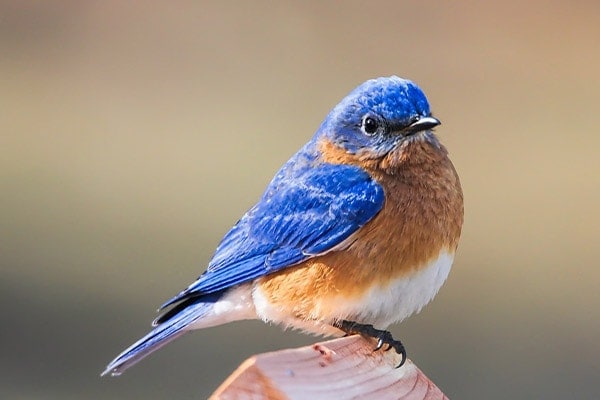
340	369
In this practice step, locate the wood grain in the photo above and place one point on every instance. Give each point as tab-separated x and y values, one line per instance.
344	368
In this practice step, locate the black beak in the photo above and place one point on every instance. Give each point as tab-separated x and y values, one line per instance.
422	124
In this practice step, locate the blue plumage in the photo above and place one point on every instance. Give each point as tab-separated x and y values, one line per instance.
162	334
305	216
309	208
394	103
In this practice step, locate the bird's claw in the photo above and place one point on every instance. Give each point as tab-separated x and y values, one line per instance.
383	337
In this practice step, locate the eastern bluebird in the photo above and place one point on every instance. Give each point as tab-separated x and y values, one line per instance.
356	231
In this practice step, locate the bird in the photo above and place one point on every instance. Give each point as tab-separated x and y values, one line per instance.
356	231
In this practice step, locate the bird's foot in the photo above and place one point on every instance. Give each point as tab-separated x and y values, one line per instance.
383	337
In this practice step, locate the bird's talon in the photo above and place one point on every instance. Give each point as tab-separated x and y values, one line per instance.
383	337
403	359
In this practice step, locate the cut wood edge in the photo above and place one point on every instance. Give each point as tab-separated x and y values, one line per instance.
340	368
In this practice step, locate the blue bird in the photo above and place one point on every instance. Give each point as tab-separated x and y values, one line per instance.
358	230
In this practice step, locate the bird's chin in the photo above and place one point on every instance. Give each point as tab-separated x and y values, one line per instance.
415	139
422	136
409	149
379	152
402	142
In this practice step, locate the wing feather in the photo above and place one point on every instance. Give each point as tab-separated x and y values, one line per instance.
296	219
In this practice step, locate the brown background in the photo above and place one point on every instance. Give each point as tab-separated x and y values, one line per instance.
134	134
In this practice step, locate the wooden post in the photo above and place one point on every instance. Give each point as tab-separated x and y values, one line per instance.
337	369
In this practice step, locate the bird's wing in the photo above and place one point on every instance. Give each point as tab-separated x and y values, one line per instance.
297	218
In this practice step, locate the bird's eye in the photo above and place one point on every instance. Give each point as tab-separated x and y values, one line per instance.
370	125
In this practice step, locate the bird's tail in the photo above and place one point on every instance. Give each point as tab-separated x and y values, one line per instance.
170	326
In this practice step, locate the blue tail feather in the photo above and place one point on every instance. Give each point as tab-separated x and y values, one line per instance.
168	330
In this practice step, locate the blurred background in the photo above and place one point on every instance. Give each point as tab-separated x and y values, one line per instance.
133	135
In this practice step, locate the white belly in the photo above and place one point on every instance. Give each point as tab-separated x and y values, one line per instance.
383	306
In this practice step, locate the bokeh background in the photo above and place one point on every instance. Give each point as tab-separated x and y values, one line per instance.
134	134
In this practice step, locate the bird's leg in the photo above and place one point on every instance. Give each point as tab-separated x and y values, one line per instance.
383	337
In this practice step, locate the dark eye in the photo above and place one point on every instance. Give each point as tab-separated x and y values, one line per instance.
370	125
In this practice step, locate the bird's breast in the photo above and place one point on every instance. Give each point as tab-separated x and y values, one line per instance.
397	261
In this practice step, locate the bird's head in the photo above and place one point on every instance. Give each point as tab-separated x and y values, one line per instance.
378	116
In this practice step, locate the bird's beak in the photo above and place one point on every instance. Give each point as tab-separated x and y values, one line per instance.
423	124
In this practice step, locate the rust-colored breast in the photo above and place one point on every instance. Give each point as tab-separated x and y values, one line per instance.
422	216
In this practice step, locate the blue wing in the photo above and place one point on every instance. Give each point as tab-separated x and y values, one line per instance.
299	216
